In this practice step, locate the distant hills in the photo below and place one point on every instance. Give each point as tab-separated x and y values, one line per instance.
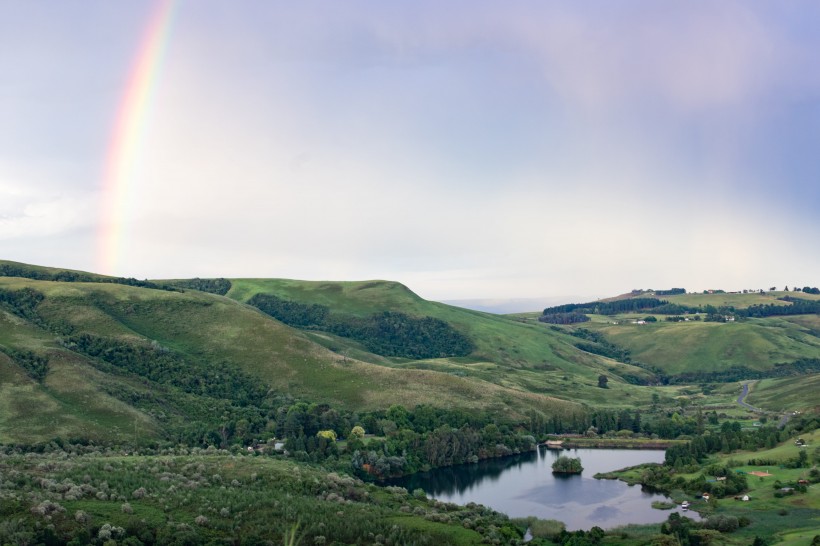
505	306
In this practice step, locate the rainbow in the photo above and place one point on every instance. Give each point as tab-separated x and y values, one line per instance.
127	136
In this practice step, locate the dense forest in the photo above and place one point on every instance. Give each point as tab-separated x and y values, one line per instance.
214	286
630	305
388	333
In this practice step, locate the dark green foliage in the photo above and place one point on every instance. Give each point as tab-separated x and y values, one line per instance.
397	334
292	313
602	381
679	527
670	292
738	373
36	366
163	366
798	307
600	345
675	309
609	307
388	333
563	318
11	270
213	286
715	314
567	465
22	302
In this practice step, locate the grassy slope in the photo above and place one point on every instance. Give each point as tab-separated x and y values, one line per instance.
69	403
739	301
50	270
518	363
678	347
213	329
786	394
509	352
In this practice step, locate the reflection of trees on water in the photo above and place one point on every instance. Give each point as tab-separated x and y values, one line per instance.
524	485
460	478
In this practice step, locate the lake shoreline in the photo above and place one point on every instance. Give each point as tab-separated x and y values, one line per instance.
525	486
613	443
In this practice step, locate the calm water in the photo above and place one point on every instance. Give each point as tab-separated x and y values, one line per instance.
524	485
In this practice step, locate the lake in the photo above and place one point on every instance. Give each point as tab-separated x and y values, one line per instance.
524	485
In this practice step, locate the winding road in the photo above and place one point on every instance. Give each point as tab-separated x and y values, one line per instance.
741	400
742	397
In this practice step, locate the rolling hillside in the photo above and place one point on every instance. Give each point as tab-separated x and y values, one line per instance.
702	336
681	347
109	348
120	360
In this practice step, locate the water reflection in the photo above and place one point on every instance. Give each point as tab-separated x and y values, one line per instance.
524	485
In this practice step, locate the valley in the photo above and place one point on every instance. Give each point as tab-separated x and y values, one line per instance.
259	374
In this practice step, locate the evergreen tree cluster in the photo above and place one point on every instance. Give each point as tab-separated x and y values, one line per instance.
615	307
388	333
161	365
737	373
670	292
563	318
213	286
36	366
22	303
292	313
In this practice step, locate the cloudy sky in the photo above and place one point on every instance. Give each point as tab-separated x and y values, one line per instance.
468	149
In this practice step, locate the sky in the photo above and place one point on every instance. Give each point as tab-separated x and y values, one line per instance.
469	149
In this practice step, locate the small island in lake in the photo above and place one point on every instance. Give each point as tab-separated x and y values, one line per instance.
567	465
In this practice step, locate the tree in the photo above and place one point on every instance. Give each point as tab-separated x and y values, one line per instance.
567	465
357	432
327	435
602	381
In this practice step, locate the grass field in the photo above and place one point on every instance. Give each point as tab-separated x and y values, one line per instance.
786	394
696	346
739	301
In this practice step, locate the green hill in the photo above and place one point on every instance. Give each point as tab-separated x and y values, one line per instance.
134	362
697	346
508	352
106	358
707	337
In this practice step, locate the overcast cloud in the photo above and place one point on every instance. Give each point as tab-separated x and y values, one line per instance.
466	149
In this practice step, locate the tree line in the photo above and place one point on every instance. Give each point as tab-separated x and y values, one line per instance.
630	305
214	286
10	270
560	314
